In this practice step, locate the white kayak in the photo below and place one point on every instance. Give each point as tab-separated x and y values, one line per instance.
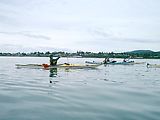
153	65
121	63
93	62
112	63
46	66
139	62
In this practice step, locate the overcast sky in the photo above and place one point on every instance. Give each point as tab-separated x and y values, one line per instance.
87	25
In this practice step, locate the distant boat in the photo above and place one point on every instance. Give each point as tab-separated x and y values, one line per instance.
111	63
139	62
121	63
77	56
93	62
153	65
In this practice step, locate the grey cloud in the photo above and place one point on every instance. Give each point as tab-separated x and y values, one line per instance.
31	3
27	34
36	36
10	48
20	48
102	36
116	40
102	33
7	20
139	40
130	40
99	32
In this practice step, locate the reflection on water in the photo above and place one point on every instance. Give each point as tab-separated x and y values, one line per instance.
53	72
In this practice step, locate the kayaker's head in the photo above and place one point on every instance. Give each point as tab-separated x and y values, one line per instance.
51	56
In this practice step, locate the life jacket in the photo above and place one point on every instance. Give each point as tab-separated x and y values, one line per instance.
45	65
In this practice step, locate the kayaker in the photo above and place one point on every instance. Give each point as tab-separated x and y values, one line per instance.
53	61
148	65
106	60
124	60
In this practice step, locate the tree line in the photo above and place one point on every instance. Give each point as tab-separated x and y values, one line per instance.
140	55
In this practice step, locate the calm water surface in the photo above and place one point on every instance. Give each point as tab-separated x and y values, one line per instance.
115	92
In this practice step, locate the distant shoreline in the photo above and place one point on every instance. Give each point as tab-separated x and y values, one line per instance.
73	57
139	54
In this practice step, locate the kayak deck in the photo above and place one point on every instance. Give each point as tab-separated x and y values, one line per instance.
41	66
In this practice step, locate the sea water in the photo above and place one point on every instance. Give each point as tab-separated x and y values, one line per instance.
112	92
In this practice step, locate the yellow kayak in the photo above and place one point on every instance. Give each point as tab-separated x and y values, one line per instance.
46	66
78	66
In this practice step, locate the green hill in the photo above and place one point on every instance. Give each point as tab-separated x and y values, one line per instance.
141	51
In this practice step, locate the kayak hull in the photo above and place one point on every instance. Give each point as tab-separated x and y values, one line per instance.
121	63
72	66
112	63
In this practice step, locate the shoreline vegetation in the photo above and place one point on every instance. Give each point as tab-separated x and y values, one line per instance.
137	54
